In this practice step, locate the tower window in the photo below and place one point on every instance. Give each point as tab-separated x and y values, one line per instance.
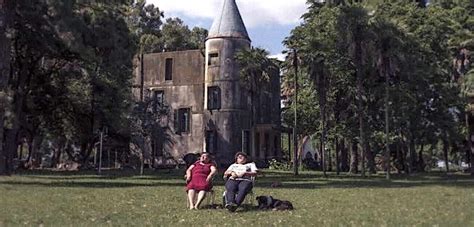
169	69
182	120
213	59
213	98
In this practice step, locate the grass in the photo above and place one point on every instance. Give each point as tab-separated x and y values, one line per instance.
158	199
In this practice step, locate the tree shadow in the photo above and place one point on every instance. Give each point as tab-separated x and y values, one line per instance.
90	184
244	208
161	174
313	181
269	180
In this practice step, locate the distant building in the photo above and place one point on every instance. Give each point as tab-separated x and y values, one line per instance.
211	109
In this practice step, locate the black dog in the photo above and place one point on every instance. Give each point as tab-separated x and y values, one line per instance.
268	202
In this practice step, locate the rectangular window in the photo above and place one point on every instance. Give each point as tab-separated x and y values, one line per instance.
211	141
246	141
213	98
182	120
158	99
169	69
213	59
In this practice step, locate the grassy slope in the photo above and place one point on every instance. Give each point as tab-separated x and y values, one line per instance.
158	199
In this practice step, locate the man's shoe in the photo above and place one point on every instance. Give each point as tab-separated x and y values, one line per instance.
231	207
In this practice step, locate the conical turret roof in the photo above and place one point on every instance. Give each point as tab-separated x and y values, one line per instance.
228	23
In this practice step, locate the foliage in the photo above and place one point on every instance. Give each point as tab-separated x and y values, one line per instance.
279	165
72	72
257	75
145	22
359	60
148	124
72	67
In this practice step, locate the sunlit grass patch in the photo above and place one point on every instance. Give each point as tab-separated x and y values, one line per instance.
158	198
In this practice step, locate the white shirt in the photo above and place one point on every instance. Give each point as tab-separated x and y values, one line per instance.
241	169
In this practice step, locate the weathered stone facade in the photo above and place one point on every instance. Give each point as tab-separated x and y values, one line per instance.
211	110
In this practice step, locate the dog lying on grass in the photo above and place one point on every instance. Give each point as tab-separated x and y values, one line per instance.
268	202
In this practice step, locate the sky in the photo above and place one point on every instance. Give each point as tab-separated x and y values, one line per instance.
268	22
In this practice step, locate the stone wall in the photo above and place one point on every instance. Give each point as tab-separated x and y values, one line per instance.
184	90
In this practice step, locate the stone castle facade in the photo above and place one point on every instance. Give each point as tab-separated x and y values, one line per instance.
211	110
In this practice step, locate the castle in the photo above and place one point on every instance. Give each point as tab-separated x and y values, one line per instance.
211	110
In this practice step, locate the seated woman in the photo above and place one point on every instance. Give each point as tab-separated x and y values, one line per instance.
199	179
240	182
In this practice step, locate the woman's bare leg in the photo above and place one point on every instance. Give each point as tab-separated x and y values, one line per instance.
191	198
201	196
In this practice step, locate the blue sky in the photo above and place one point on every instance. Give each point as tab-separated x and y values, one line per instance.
268	22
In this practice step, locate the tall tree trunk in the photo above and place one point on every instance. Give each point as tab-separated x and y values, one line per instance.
360	94
20	156
470	150
411	153
337	148
421	162
370	158
411	148
57	153
30	148
319	80
445	153
354	166
344	156
5	18
329	158
387	128
399	158
323	142
18	83
404	152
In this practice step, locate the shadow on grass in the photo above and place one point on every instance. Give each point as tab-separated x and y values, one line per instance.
313	181
286	180
106	174
91	184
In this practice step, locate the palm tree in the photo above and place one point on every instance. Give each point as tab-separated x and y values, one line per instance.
255	72
387	59
353	22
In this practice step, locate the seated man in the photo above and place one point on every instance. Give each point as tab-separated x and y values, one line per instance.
240	182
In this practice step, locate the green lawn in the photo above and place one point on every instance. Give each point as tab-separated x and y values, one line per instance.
158	199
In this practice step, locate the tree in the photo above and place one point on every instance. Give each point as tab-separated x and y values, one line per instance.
145	23
65	81
354	20
388	57
255	72
147	125
177	36
5	18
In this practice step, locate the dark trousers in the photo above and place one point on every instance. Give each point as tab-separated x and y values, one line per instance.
236	190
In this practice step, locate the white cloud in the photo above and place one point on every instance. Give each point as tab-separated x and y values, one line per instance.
280	57
255	13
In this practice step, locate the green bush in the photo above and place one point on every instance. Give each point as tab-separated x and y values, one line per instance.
278	165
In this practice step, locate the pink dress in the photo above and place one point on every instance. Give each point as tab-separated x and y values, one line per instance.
198	177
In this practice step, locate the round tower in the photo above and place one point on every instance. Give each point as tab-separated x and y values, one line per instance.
225	118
